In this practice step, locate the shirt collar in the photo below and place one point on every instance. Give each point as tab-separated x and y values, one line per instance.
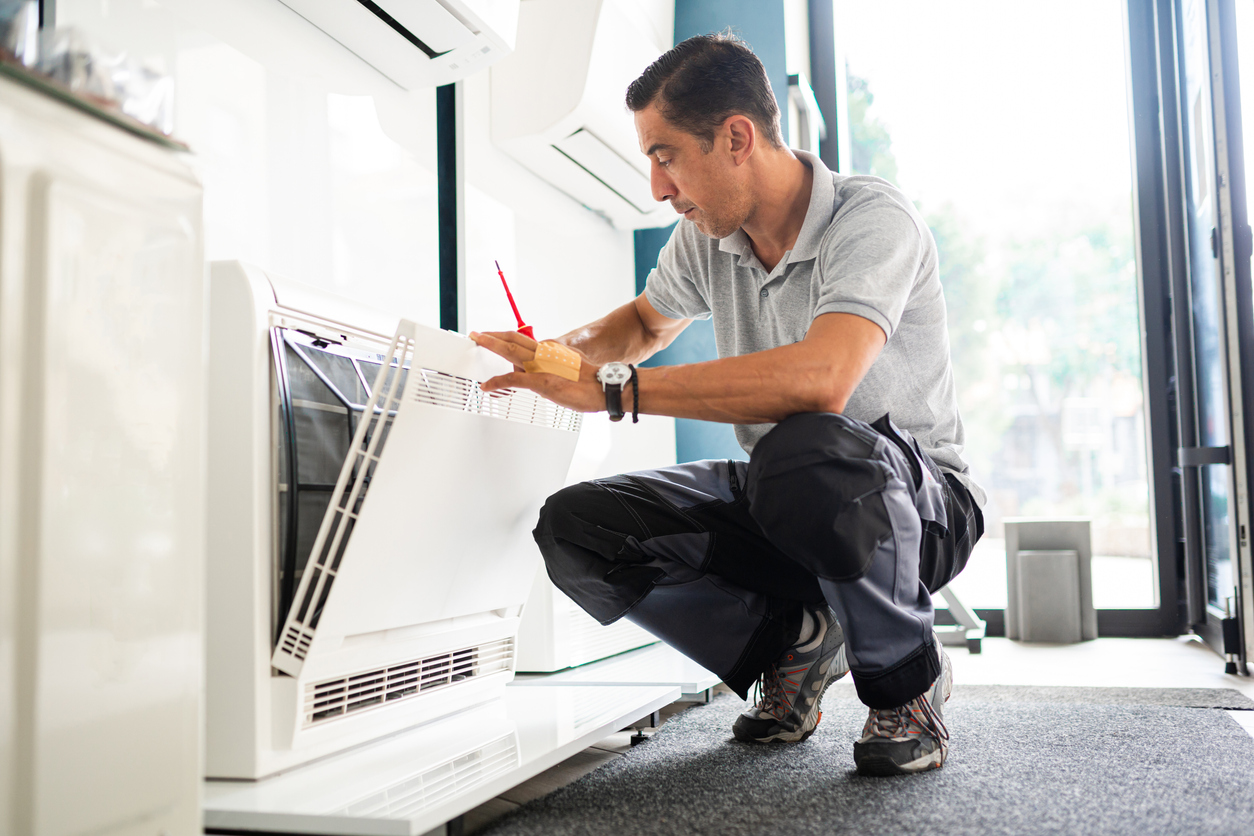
818	217
819	213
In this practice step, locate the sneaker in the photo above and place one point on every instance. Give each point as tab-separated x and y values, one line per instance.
911	738
792	688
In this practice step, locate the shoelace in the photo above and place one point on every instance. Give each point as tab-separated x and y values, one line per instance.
917	717
768	693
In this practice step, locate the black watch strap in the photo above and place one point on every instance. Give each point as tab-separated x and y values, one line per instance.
635	395
614	401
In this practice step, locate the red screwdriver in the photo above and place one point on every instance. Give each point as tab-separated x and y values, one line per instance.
523	328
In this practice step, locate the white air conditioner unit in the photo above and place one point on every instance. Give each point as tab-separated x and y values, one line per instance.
369	534
418	43
558	106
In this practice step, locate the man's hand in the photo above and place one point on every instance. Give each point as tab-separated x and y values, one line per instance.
583	395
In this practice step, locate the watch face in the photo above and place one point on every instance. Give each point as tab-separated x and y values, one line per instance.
614	374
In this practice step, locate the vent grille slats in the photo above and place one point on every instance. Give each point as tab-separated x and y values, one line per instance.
463	394
346	695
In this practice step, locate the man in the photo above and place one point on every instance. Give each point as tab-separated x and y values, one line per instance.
817	556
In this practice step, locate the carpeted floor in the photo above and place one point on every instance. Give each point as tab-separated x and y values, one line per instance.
1022	761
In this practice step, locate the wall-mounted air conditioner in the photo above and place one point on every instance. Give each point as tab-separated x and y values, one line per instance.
418	43
369	522
558	106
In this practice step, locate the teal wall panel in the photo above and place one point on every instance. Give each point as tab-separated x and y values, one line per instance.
761	24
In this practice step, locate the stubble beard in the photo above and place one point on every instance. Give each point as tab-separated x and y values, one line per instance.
725	222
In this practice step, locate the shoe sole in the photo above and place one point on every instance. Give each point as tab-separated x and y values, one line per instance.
879	766
807	728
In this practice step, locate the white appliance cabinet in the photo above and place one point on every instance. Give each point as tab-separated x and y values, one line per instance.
102	462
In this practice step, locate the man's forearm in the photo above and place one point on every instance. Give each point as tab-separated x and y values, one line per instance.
619	336
817	374
761	388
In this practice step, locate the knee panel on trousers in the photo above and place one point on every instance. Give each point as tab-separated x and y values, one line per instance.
816	486
580	554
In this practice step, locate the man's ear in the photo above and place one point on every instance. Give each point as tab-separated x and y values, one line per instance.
743	134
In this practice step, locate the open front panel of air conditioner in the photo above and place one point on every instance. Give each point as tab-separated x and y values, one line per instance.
432	498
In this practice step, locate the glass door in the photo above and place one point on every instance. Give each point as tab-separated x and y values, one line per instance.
1212	456
1029	197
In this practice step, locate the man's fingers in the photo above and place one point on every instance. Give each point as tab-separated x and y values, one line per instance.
512	337
513	380
538	382
512	351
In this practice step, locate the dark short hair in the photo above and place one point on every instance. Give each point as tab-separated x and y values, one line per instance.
702	81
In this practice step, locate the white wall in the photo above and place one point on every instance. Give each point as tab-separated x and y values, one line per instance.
319	168
315	166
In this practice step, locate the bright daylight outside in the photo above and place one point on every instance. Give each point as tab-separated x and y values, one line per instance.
1007	124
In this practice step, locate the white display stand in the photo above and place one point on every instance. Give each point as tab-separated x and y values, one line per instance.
658	664
414	782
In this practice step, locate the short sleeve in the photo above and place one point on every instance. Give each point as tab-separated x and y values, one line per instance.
672	287
869	262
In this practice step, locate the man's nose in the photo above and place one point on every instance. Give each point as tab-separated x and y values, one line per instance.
663	187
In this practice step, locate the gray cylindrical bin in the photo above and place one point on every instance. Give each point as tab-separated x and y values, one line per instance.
1050	580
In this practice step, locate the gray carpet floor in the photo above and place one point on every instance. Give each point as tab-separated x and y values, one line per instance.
1022	761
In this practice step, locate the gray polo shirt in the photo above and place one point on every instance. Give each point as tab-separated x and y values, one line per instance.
863	249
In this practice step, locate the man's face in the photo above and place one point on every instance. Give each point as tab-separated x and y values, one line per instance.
707	188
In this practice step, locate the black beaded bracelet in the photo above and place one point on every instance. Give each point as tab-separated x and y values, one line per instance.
635	395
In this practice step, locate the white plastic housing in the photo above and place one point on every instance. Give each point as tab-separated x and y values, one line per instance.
102	381
418	43
440	560
558	106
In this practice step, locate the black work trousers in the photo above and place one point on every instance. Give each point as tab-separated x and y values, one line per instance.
718	558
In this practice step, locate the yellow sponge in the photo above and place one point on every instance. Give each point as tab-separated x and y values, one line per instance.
554	358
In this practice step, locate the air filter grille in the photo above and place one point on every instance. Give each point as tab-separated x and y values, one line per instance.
461	393
335	698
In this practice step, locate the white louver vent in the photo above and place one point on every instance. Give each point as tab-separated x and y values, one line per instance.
346	695
460	393
437	784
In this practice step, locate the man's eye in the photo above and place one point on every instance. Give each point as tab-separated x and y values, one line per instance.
664	163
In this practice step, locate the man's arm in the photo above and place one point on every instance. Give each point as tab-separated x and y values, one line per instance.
818	374
630	334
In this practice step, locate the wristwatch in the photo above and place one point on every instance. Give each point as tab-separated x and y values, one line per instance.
613	377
